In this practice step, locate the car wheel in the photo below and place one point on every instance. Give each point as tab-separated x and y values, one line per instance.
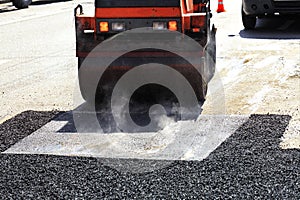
249	21
21	3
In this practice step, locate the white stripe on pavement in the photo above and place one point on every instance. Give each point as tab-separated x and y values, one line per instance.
184	140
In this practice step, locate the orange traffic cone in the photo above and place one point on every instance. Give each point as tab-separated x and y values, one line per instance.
220	6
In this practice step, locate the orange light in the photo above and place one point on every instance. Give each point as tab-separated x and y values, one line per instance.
104	26
196	29
172	25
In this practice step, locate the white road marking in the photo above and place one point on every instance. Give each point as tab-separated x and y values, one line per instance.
185	140
5	118
266	62
258	98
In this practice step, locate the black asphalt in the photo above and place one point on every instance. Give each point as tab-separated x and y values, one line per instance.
22	125
248	165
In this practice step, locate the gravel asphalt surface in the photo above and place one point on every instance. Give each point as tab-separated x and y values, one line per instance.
22	125
249	164
259	70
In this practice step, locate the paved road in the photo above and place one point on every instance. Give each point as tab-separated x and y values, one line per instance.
37	57
260	69
249	164
38	64
259	73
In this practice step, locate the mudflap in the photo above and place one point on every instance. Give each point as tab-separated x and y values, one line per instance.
211	54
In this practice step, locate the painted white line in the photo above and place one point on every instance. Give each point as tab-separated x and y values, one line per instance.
258	98
266	62
185	140
5	118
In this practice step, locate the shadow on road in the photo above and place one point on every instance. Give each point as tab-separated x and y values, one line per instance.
84	115
43	2
8	9
276	27
4	1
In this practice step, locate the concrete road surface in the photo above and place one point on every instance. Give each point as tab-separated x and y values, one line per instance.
37	57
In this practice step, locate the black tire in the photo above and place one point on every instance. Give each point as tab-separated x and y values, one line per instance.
249	21
20	4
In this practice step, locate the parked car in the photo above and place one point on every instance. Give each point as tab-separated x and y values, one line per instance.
21	3
251	9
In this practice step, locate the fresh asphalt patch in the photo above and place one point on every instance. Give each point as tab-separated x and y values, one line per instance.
22	125
248	164
182	140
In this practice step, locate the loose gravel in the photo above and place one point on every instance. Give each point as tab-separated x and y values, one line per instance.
249	164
